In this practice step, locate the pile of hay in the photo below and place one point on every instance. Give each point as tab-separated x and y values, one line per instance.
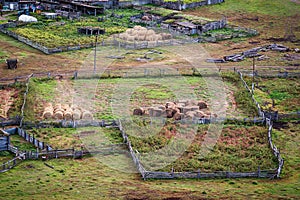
177	110
139	33
66	112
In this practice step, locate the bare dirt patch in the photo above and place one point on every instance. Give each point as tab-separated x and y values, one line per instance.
8	97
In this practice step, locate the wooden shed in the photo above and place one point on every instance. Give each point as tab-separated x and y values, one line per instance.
91	30
4	140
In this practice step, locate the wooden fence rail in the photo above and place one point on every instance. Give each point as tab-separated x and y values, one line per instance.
30	138
203	175
10	164
271	74
274	148
24	99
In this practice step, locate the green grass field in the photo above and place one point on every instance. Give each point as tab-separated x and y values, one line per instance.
108	177
90	178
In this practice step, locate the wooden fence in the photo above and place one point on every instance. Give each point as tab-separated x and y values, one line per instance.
203	175
10	164
133	154
274	148
272	173
107	42
10	122
56	153
29	138
273	73
71	124
266	114
24	99
260	111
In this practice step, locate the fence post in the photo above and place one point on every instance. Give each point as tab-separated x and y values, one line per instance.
198	173
258	171
75	74
55	153
172	173
33	140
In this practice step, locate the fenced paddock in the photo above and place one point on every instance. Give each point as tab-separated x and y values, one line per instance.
273	115
29	138
56	153
271	173
112	41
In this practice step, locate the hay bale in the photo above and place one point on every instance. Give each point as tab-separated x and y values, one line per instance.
74	107
150	32
65	107
138	111
129	31
207	113
130	38
186	109
141	38
202	105
76	115
182	102
49	109
158	37
190	114
57	106
168	36
178	116
191	103
157	112
68	114
169	112
137	27
171	105
162	107
150	111
87	115
123	36
58	115
47	114
194	108
200	114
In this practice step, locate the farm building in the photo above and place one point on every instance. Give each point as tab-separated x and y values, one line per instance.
187	28
4	140
91	30
190	28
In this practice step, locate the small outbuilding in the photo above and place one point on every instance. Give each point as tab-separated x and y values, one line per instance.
12	63
91	30
4	140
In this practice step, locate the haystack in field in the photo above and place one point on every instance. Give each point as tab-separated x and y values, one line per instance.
139	33
190	109
58	115
87	115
